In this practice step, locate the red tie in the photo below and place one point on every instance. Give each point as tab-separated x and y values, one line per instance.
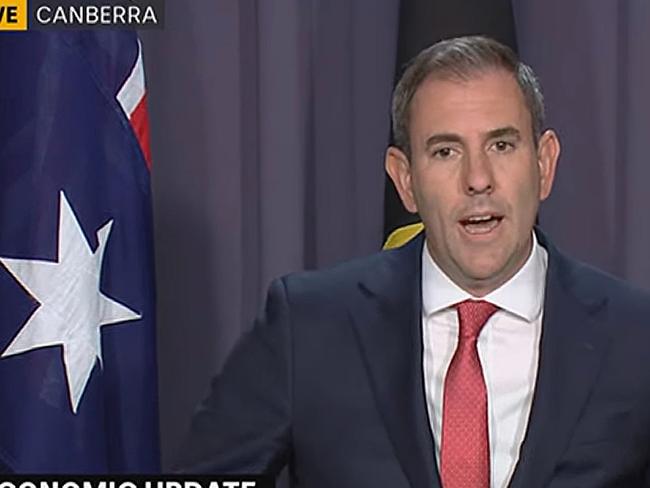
465	449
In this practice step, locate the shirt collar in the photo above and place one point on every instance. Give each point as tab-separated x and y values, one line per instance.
522	295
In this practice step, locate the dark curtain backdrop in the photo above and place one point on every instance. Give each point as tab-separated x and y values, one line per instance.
269	120
269	123
593	58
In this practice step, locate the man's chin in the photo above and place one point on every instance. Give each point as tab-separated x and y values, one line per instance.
483	277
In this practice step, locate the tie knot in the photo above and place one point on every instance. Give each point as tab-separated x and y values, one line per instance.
472	316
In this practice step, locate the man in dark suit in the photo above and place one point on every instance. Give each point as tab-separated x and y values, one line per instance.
475	356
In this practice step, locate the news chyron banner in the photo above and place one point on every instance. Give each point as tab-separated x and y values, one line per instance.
167	481
21	15
78	370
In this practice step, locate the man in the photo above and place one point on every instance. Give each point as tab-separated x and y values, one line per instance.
475	356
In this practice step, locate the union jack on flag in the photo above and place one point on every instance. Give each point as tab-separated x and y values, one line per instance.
77	339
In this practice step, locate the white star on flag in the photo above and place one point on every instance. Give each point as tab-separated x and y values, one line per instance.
72	307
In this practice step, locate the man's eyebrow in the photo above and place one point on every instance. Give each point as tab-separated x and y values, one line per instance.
439	138
504	131
451	137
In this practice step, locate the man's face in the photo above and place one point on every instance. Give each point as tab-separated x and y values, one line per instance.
475	176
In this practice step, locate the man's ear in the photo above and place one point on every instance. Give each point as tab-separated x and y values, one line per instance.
548	152
398	168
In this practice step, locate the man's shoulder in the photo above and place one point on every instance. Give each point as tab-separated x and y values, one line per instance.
622	296
346	275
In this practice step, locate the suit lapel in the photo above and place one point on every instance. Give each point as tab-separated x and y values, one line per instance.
571	350
387	322
386	316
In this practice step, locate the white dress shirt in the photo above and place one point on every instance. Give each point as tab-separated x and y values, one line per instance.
508	347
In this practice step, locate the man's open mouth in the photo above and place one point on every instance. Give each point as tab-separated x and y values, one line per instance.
481	224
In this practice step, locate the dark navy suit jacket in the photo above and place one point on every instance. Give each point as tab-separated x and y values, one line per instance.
330	382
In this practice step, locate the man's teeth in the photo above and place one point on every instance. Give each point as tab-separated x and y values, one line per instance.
483	218
481	224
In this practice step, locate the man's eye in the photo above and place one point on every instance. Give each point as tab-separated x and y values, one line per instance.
443	153
503	146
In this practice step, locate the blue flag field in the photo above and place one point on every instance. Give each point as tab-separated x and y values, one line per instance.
77	327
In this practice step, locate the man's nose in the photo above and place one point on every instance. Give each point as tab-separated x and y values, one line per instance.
478	177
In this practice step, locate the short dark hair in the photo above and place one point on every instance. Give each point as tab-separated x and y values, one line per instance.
462	58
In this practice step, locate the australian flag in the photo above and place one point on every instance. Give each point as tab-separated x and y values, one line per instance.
77	339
